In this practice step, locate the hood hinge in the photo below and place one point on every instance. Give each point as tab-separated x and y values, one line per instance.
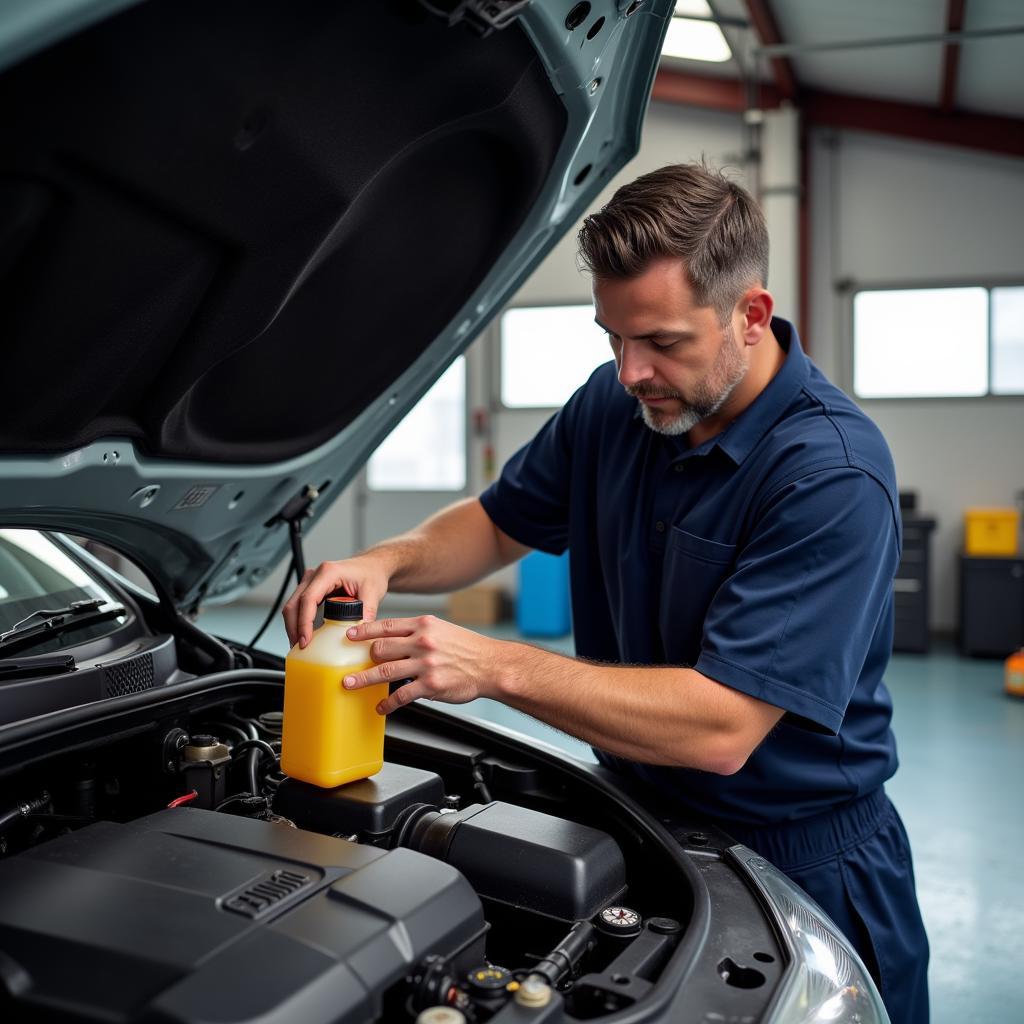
483	16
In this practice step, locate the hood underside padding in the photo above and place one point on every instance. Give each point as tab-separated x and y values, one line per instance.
226	227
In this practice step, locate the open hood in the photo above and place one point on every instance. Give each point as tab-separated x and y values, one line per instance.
239	239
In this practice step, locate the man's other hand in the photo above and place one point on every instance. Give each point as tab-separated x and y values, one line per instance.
445	662
358	577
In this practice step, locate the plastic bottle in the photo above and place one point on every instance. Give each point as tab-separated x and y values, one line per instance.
331	735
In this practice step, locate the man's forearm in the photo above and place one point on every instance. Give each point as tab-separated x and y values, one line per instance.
452	549
668	716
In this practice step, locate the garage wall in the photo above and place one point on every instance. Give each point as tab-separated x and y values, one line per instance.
891	211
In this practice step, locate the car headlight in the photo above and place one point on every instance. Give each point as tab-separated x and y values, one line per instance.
826	979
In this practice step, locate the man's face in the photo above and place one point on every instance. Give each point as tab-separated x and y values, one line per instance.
673	356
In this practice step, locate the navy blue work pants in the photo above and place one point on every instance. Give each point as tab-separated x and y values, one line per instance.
855	862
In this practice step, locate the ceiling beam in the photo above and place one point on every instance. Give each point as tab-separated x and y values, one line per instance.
767	29
709	93
987	132
951	56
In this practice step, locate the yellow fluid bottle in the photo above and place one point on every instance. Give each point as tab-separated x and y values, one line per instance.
331	735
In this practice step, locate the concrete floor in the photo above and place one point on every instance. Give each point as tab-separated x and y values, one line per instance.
961	744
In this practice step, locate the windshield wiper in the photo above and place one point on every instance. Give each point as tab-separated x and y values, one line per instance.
51	621
41	665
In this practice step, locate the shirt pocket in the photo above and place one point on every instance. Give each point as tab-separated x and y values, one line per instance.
693	570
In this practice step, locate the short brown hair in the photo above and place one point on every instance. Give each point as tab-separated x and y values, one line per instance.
686	211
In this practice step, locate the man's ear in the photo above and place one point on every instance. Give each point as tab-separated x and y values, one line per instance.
755	309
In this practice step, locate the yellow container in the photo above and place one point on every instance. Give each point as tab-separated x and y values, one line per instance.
331	735
991	531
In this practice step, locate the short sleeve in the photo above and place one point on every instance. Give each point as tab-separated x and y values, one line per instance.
793	623
530	500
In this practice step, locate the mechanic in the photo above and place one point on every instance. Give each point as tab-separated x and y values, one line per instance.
733	527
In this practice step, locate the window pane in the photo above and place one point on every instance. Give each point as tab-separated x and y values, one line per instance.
547	352
1008	341
427	450
925	343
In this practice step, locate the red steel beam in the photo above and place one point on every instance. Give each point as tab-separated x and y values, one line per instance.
726	94
989	132
767	29
951	56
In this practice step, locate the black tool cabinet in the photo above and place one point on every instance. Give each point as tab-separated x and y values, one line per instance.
912	585
991	605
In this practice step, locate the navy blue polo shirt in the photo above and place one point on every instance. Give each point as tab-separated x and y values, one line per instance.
763	558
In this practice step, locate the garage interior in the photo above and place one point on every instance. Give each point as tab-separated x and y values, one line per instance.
886	142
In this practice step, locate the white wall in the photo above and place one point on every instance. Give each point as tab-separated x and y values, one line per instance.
892	211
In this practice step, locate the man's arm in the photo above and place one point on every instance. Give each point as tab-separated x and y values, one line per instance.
669	716
455	547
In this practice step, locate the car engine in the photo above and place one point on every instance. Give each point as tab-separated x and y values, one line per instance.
170	872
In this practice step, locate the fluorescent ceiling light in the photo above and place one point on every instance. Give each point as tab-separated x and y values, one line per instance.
695	40
693	9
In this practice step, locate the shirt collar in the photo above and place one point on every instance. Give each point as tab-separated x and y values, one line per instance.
737	441
739	438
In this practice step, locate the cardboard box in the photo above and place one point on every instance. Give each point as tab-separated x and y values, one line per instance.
482	605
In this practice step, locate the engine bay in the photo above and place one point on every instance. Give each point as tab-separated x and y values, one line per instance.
159	845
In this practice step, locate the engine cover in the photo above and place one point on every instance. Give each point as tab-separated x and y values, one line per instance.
188	915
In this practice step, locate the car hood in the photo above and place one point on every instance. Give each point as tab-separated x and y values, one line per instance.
240	239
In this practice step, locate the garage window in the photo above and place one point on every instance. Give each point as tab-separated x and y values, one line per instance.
938	342
427	450
547	352
1008	341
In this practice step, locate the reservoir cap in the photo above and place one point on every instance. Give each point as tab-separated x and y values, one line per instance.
343	609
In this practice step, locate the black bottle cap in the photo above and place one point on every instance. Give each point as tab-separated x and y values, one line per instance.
343	609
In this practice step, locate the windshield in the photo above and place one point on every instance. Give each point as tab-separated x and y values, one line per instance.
36	574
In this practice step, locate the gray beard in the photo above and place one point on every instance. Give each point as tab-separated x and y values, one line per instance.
682	423
711	394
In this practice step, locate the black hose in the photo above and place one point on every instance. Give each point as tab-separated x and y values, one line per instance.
215	728
252	768
245	724
255	748
566	956
276	606
23	810
261	745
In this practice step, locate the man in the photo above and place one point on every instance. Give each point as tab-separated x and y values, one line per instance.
734	530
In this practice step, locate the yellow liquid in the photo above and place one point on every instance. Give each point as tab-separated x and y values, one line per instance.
330	735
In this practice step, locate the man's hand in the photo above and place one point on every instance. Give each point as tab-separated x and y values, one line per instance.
363	577
445	662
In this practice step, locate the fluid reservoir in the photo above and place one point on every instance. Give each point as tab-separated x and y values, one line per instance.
331	735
